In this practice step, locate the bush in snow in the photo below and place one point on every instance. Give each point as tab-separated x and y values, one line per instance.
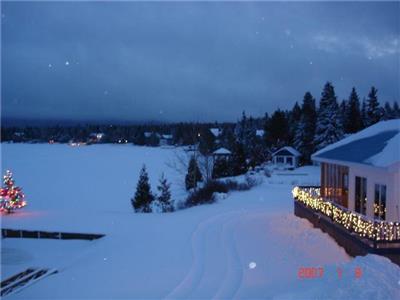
205	194
143	196
164	198
252	180
193	174
213	191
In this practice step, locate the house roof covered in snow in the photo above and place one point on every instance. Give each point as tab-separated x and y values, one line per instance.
377	145
222	151
167	136
287	151
259	132
216	131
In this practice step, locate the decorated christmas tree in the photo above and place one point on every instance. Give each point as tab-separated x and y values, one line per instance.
11	196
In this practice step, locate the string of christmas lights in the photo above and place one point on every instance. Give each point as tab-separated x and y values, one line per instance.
11	196
371	229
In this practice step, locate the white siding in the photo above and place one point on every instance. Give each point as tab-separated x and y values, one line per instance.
377	176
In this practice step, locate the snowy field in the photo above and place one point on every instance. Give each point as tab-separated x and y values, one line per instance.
247	246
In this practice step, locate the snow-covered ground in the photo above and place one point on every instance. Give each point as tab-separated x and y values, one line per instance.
247	246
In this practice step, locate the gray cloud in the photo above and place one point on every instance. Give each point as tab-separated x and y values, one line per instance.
137	61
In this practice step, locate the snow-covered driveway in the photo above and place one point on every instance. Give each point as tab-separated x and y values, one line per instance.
247	246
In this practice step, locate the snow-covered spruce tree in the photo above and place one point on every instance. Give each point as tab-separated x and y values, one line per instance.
352	117
305	132
373	110
143	196
193	174
329	121
164	196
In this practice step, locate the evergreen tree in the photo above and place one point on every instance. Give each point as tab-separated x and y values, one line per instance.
294	119
207	142
238	162
139	138
165	194
193	174
373	111
245	132
329	122
143	196
278	129
343	110
388	112
228	139
352	118
364	113
305	132
396	110
221	169
153	140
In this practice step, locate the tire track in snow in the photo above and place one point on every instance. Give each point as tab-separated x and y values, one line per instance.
194	276
234	275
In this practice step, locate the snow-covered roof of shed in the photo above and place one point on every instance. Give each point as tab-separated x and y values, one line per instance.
167	136
289	149
377	145
215	131
222	151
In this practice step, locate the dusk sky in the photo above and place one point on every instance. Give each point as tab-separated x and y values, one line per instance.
136	61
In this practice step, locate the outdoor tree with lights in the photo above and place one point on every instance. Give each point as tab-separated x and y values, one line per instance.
11	196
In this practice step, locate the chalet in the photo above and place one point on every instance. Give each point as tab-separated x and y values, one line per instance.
286	157
362	171
358	201
221	153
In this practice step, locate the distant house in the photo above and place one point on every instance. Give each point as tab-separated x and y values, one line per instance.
362	171
216	132
286	157
222	153
95	137
152	138
166	139
18	136
260	133
147	134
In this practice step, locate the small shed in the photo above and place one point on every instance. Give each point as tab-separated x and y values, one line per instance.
221	153
287	157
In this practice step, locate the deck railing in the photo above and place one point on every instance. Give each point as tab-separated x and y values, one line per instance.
374	230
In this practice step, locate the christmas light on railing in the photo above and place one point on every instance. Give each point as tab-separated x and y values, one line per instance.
374	230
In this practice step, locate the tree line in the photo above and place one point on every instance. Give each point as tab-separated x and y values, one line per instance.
308	126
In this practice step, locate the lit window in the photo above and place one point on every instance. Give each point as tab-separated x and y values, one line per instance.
380	202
